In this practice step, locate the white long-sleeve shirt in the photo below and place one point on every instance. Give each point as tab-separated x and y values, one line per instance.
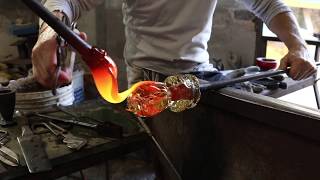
168	36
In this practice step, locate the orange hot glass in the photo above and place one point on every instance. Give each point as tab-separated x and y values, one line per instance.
177	93
149	99
105	73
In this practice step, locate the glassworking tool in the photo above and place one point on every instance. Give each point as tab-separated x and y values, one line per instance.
33	150
71	141
228	82
61	57
7	156
104	128
271	83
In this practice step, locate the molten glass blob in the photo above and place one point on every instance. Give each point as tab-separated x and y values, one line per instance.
146	98
105	73
149	99
184	91
179	93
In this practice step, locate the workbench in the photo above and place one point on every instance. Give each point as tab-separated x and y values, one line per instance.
262	137
98	150
212	113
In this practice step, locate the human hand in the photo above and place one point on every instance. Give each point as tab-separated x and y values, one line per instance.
300	63
44	59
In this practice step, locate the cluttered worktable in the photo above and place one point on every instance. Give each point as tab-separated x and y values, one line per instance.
98	149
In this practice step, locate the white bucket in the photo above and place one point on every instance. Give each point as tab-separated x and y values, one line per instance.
78	86
42	101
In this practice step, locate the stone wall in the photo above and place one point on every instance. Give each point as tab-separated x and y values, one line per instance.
110	35
233	35
11	12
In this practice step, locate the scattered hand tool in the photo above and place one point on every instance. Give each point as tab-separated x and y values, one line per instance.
72	142
223	83
104	128
271	84
7	156
33	151
61	56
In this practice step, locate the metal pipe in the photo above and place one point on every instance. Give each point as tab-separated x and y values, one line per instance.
228	82
59	27
159	148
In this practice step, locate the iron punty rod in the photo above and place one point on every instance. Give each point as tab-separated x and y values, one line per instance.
223	83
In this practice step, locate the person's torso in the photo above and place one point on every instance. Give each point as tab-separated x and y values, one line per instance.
169	30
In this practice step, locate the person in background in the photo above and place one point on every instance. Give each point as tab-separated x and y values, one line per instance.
168	37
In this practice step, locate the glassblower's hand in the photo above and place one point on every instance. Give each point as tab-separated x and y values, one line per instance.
44	59
301	66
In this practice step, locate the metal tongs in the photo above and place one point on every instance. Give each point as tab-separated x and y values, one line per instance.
61	57
105	128
61	53
7	156
71	141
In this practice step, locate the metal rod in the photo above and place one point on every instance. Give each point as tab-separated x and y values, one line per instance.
228	82
85	124
59	27
162	152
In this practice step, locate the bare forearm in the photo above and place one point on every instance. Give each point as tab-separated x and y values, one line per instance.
285	26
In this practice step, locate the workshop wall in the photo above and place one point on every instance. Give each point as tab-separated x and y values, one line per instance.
110	35
14	12
11	12
87	23
233	35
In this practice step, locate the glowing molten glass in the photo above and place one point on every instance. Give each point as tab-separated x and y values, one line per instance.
149	99
104	72
178	92
146	98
